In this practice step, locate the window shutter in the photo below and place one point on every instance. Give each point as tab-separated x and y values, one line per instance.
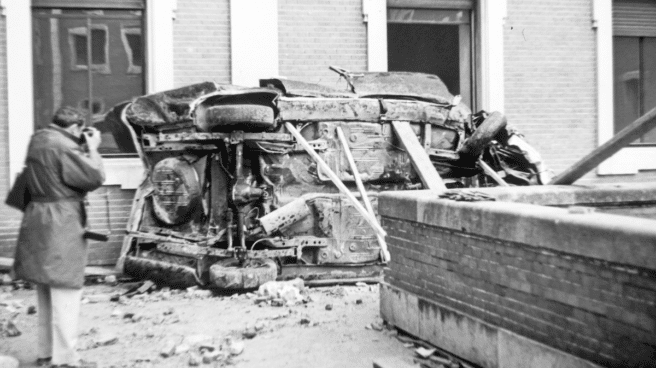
90	4
431	4
634	18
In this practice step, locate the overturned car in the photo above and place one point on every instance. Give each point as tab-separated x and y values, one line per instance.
247	185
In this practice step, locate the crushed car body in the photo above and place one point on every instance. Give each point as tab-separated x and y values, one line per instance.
247	185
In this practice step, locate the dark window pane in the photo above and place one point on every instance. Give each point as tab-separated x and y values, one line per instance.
80	49
98	41
425	48
134	41
626	74
96	106
649	81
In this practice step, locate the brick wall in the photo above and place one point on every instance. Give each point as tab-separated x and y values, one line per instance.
575	301
314	35
550	66
108	211
201	41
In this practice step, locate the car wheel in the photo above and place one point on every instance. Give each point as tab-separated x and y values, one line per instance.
228	274
243	117
474	146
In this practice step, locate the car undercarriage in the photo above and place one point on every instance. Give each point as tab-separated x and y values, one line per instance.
248	185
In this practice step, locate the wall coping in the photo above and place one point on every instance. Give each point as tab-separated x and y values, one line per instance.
612	238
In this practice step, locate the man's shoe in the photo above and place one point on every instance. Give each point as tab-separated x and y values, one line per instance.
43	362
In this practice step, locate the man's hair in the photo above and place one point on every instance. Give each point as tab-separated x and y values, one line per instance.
67	116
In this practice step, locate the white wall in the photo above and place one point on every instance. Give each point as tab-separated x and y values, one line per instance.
20	100
254	41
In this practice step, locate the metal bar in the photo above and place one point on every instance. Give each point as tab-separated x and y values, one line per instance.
84	16
491	173
89	74
627	135
338	183
420	160
384	253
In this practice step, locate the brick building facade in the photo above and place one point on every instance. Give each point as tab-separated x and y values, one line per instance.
545	64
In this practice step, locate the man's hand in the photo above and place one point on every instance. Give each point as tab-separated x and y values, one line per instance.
92	136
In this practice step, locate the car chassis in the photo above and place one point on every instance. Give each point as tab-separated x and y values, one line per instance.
247	185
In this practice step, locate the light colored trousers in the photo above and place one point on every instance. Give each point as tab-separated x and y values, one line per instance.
58	315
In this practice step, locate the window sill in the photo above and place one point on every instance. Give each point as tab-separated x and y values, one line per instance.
629	160
126	172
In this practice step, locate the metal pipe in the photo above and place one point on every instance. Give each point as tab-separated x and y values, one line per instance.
335	179
491	173
385	255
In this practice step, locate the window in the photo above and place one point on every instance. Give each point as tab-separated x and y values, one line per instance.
77	38
91	58
435	41
133	49
634	63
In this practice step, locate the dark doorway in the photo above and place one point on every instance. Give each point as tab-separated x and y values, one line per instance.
425	48
433	41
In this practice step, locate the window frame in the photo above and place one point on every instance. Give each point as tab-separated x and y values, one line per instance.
629	160
132	68
83	31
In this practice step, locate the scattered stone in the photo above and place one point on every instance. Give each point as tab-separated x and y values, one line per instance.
277	302
106	340
144	288
195	360
118	313
249	333
194	340
111	279
378	324
425	353
304	321
272	288
115	298
99	298
5	279
10	329
261	299
136	318
236	347
165	295
210	356
358	301
360	284
329	307
208	348
182	348
169	311
31	309
202	293
8	362
168	350
260	325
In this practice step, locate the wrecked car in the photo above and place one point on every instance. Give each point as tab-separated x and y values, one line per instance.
247	185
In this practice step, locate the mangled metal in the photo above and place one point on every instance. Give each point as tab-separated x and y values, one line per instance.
238	176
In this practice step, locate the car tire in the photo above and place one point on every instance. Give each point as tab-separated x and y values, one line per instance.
240	116
474	146
228	274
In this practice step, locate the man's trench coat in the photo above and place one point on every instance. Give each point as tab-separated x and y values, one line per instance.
51	249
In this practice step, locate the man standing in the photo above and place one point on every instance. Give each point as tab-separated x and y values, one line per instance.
52	250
